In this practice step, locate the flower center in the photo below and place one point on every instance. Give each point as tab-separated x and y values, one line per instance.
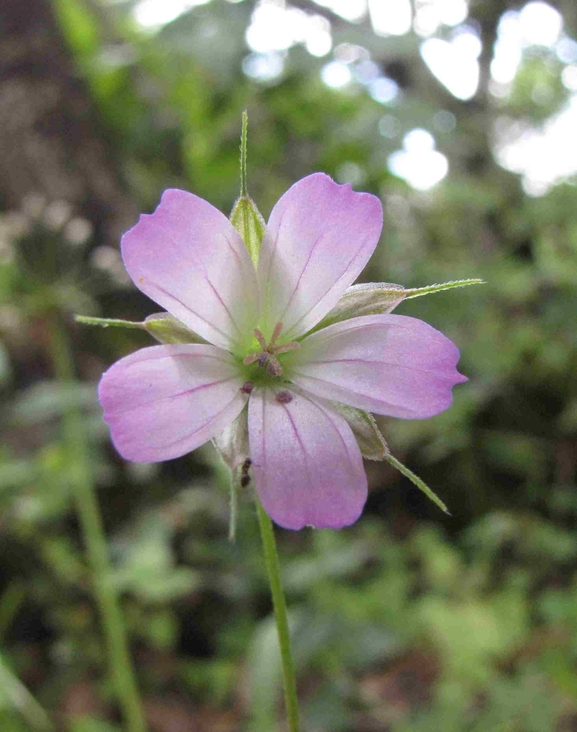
267	357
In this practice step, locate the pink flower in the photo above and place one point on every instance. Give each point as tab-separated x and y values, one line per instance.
259	353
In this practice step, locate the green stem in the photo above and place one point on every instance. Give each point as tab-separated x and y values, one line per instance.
279	604
234	485
120	663
15	691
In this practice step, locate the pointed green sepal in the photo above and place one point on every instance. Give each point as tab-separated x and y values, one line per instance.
108	322
168	329
162	326
232	442
245	216
430	289
380	298
376	298
232	445
369	439
247	220
421	485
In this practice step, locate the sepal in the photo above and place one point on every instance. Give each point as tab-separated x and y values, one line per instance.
232	442
245	216
431	289
168	329
108	322
377	298
415	480
248	221
380	298
162	326
232	445
368	436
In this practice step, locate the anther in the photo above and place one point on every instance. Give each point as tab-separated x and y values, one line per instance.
287	347
269	351
284	397
259	335
274	367
275	334
247	387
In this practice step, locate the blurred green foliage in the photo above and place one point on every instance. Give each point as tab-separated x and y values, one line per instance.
409	621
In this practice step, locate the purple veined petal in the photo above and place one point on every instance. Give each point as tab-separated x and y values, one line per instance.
319	237
388	364
306	463
189	259
164	401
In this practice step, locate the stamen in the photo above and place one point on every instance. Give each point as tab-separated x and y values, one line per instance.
247	387
275	334
274	367
269	351
287	347
259	335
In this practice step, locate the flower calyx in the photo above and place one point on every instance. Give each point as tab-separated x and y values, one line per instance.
267	357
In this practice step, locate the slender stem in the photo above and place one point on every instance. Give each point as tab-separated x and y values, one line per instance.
15	691
243	149
234	483
120	663
278	599
10	602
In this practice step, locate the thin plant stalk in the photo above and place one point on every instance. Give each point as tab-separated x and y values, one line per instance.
120	664
18	695
280	614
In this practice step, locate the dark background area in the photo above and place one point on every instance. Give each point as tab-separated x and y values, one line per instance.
409	621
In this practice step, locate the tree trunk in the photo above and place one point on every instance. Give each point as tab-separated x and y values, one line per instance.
51	141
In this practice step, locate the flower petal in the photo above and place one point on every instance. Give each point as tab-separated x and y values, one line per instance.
319	237
164	401
307	466
388	364
188	258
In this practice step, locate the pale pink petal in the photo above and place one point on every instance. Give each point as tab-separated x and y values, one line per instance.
307	466
319	237
188	258
388	364
164	401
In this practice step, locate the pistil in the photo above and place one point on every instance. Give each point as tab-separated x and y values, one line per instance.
267	356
